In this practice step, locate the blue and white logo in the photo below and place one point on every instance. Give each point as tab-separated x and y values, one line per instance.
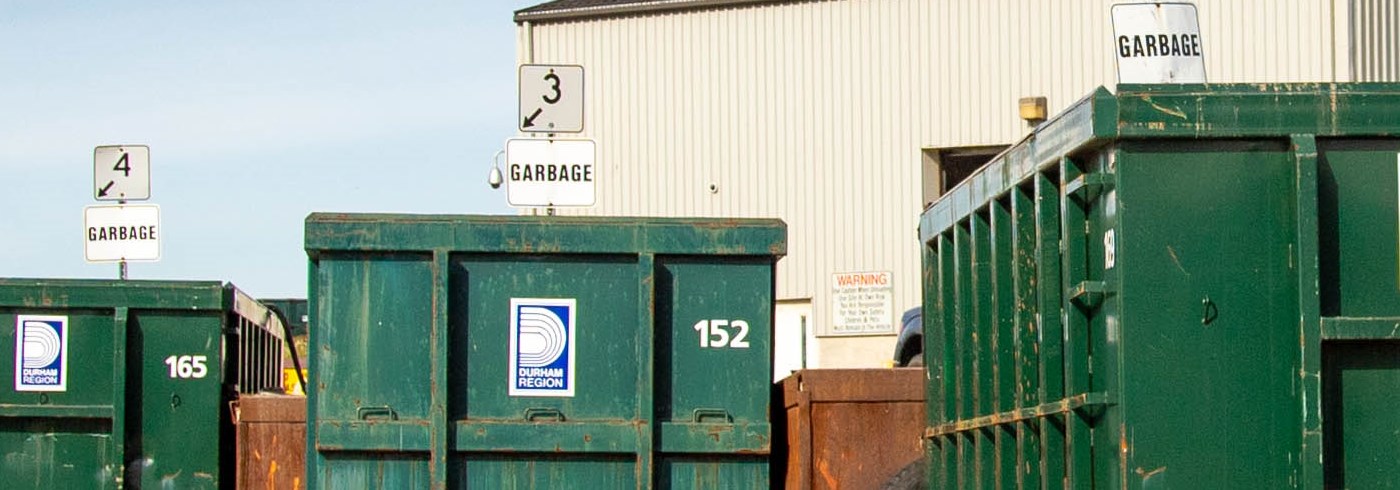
542	346
41	353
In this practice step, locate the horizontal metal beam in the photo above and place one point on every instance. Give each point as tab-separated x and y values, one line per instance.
1090	402
1376	328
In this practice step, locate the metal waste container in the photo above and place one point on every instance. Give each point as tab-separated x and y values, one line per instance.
540	352
1171	286
118	384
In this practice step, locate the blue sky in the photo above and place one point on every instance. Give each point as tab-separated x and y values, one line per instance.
257	113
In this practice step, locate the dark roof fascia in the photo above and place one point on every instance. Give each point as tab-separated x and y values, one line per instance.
536	14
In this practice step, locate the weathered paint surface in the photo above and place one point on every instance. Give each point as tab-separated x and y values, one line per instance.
410	354
1171	285
124	421
271	442
851	428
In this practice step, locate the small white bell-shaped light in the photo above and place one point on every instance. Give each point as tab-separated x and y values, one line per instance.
495	178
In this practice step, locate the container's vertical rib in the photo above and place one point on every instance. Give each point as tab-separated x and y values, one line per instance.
1023	255
645	414
981	328
931	279
118	450
1079	470
437	411
313	332
962	346
804	437
1051	319
1309	310
1003	325
946	358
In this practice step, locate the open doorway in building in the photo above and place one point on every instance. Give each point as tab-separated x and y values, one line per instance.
792	334
944	168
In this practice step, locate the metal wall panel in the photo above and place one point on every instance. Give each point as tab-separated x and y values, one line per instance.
1374	40
816	112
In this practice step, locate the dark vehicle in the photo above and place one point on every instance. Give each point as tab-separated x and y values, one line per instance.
909	349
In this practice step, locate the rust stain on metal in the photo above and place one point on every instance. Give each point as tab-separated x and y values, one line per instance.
1145	474
824	470
1176	260
587	438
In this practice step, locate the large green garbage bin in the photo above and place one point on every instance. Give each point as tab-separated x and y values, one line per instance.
540	352
1171	287
126	384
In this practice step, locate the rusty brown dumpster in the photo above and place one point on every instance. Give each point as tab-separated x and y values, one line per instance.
851	428
271	441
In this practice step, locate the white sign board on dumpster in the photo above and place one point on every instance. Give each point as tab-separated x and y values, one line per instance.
862	303
550	172
117	233
1158	43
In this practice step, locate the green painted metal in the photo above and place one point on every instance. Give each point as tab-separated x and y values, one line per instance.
122	420
1202	285
411	351
293	311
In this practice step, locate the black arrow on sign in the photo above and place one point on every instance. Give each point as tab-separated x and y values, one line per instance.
530	119
103	191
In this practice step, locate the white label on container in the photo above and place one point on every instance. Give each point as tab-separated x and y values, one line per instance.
41	353
542	333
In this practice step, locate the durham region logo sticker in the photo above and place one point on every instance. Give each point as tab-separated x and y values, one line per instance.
542	346
41	353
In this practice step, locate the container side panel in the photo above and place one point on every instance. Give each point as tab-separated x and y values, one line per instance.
1358	205
374	330
177	406
531	471
712	471
1025	333
1209	313
714	335
1078	334
377	471
55	453
89	359
1361	390
1050	318
861	442
601	326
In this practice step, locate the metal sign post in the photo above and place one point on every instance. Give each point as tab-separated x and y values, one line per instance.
121	173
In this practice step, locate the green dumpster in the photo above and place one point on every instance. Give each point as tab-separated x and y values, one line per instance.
1173	286
540	352
117	384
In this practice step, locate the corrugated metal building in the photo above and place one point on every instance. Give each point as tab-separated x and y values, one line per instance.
842	116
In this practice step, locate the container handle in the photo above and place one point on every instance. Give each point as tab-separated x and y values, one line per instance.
701	414
364	413
536	413
1209	312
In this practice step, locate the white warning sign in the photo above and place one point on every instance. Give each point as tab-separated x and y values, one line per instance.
862	303
542	346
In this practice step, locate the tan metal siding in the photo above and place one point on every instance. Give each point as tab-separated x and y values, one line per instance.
1375	44
816	112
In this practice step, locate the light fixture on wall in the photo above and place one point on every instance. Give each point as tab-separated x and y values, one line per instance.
1033	110
495	178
